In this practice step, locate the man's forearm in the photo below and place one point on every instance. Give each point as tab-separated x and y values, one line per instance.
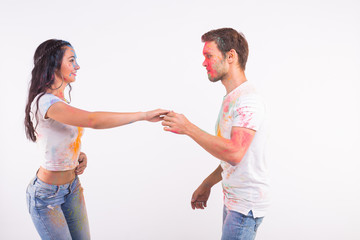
229	150
213	178
221	148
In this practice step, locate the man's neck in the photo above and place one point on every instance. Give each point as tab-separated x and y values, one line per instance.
233	79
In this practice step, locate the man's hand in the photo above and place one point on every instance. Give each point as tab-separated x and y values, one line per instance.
176	123
155	115
200	196
82	164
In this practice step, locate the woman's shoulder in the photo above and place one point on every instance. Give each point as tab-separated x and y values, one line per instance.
43	101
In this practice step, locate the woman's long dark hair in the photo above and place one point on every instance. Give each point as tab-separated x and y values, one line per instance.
47	61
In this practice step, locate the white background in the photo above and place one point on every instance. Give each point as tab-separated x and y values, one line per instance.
304	59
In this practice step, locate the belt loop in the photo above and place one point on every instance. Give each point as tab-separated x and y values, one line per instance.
35	178
58	189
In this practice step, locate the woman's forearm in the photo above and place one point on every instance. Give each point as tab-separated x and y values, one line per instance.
101	120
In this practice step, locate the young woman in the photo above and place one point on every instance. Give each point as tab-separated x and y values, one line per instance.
54	197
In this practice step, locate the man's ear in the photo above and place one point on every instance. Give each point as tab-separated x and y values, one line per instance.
231	56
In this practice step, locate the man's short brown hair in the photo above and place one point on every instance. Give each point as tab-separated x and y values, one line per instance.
227	39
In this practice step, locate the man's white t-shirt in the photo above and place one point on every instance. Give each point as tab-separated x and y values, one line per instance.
246	185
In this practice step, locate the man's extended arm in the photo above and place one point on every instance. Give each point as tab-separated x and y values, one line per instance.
229	150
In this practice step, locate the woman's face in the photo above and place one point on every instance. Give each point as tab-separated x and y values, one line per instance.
69	66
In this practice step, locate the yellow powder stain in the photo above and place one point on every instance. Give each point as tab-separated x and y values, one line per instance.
75	146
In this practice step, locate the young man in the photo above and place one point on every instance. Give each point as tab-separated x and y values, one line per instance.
240	138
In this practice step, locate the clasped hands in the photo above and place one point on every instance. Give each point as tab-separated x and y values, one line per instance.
176	123
172	121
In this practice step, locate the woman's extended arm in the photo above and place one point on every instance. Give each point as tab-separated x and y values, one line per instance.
67	114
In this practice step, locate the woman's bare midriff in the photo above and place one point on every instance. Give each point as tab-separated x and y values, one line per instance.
56	177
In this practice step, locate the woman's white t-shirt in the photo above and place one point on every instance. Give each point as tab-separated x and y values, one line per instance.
59	143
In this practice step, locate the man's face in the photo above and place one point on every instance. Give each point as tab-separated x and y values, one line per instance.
214	62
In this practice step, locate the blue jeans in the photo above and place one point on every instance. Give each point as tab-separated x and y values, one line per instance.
58	211
237	226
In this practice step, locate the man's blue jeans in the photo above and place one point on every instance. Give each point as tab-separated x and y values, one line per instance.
58	211
237	226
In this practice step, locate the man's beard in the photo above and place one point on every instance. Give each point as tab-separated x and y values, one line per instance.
215	79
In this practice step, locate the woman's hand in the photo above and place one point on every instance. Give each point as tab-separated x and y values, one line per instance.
155	115
82	164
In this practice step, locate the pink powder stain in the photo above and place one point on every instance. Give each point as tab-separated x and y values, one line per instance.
241	138
226	105
244	117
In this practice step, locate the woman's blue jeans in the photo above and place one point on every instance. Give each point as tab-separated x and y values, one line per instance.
58	211
237	226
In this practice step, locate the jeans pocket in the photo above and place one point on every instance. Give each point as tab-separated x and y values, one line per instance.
46	193
45	196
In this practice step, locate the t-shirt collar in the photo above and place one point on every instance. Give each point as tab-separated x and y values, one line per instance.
236	90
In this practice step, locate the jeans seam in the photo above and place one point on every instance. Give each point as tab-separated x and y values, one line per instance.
29	203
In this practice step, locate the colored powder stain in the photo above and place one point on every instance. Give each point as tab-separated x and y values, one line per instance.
226	105
228	192
78	210
244	116
56	217
80	196
74	52
230	172
75	146
75	63
246	139
218	132
242	139
81	209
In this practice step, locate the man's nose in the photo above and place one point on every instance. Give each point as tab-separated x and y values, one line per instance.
204	63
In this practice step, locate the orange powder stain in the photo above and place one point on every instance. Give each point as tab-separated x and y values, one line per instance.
218	132
75	146
56	217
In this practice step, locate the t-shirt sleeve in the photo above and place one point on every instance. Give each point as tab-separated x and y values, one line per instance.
249	112
45	102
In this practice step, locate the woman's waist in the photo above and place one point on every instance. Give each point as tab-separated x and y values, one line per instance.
56	177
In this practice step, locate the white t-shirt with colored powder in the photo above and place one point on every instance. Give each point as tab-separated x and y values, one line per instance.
59	143
246	185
